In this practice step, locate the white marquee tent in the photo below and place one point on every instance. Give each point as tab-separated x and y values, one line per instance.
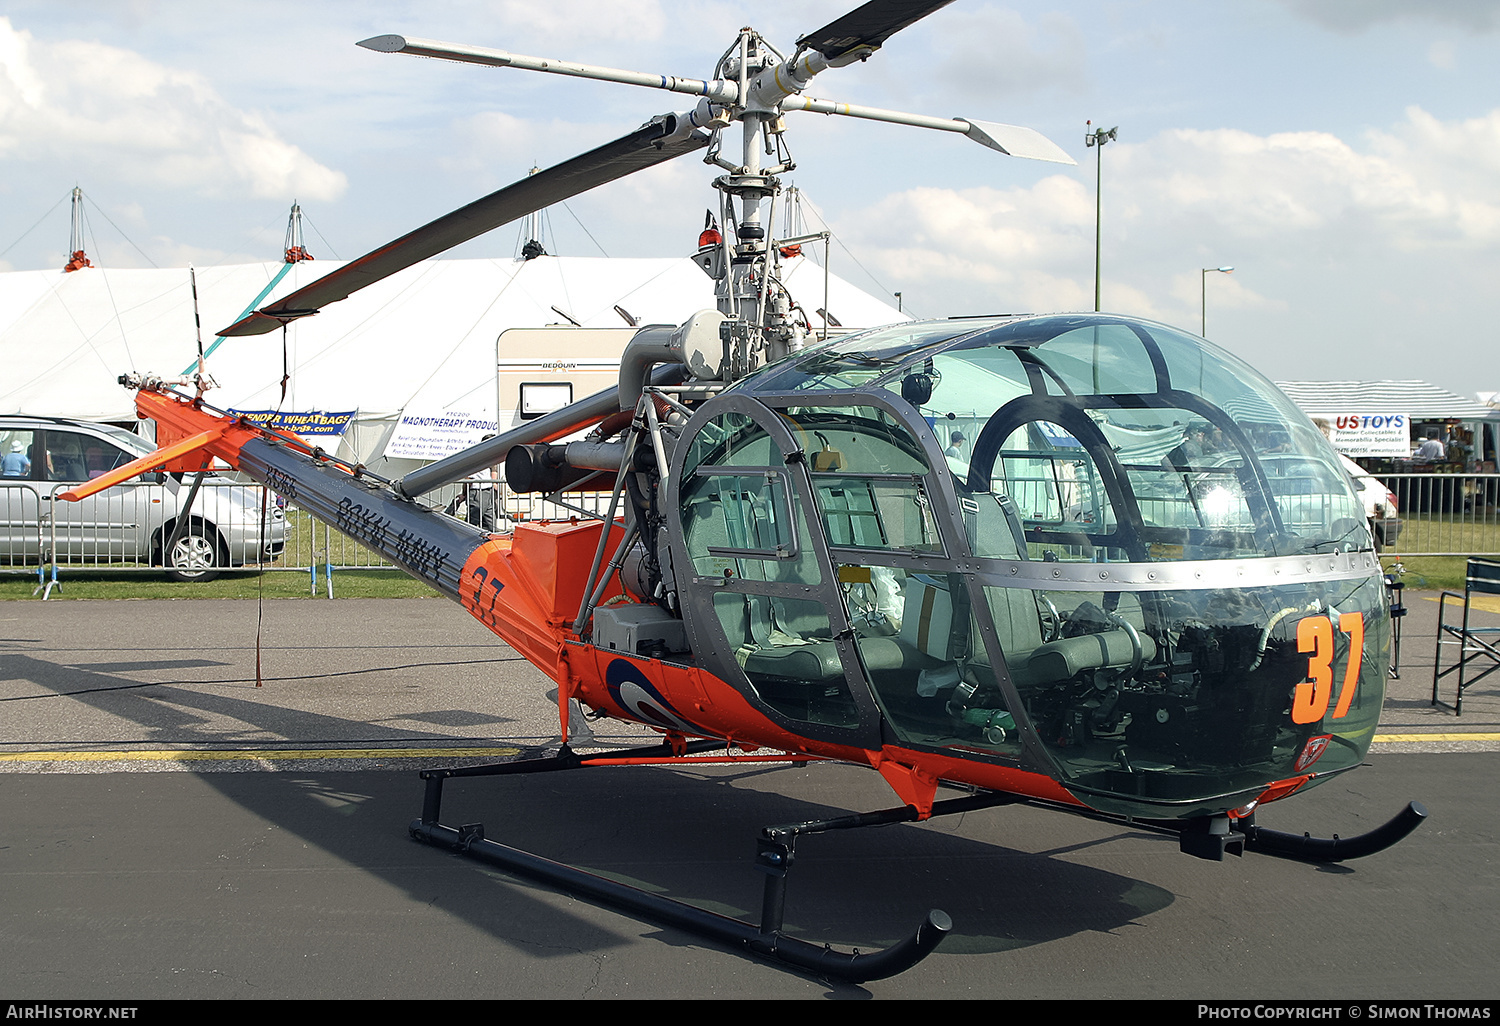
424	338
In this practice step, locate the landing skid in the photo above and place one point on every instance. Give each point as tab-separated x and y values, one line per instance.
774	858
1306	848
1213	837
1207	838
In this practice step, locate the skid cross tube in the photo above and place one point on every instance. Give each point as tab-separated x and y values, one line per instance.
774	859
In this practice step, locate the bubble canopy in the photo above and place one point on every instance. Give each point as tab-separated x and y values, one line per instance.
1168	439
1087	545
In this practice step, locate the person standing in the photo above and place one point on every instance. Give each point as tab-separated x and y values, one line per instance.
955	446
16	463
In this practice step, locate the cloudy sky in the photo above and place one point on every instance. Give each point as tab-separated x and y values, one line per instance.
1342	155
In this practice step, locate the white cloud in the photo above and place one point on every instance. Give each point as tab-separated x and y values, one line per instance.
1006	249
584	19
994	52
498	138
1284	204
1351	16
86	105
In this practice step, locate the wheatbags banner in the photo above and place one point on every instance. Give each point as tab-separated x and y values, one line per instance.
315	422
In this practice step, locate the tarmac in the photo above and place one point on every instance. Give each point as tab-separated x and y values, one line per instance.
172	827
367	683
1409	720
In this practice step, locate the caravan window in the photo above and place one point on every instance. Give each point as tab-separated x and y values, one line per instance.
539	398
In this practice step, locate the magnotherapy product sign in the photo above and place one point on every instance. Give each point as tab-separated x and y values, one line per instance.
436	436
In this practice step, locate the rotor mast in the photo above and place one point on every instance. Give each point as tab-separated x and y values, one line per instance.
760	325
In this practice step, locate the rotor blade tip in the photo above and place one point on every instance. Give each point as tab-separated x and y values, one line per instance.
256	323
1015	141
384	44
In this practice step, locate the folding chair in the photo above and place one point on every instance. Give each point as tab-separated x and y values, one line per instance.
1395	588
1482	577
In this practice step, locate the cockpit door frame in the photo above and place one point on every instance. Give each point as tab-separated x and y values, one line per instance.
706	633
956	559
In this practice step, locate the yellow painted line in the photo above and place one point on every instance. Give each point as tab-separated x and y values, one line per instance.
1488	603
267	755
1379	738
292	754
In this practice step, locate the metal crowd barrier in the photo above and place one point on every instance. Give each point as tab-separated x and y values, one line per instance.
128	528
1445	514
125	528
483	502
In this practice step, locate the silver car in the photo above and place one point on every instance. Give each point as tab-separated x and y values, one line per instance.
1380	503
130	523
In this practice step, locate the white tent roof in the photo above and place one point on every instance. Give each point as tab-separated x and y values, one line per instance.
424	337
1416	399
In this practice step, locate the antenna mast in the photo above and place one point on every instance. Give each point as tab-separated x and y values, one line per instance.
294	251
77	259
531	228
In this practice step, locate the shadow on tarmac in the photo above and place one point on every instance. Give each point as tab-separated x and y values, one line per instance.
689	834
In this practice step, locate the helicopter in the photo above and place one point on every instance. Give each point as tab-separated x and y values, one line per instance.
1086	562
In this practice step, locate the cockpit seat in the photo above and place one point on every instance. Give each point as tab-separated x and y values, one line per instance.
791	648
1065	658
819	660
813	660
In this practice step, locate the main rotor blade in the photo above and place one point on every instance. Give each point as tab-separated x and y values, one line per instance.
868	26
717	91
652	144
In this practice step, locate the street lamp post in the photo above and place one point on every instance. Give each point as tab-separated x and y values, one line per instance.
1097	138
1203	325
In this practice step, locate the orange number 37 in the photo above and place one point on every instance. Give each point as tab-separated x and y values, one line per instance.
1315	636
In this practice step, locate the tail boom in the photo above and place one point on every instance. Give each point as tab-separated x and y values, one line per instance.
539	574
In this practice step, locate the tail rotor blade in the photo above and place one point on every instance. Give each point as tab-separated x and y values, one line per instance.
659	141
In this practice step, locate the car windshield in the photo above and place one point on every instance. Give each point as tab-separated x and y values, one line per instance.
134	443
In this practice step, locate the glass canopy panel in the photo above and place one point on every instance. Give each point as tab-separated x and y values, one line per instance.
1136	441
868	475
1099	359
855	360
1096	439
1228	689
743	522
921	651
